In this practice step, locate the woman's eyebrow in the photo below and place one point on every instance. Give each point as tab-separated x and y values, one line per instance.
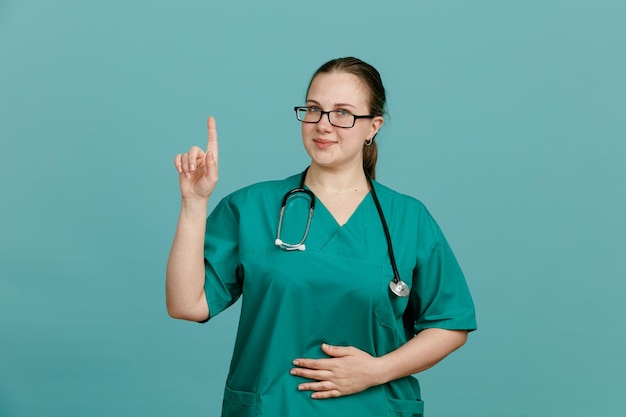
344	105
336	104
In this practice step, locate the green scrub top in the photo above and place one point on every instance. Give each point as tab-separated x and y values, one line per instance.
336	292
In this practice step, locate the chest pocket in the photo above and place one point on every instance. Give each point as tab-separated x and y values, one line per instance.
391	308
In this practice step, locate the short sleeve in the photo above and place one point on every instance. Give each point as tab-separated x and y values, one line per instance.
223	272
440	297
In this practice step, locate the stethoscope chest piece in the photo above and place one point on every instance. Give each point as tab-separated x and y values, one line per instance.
399	288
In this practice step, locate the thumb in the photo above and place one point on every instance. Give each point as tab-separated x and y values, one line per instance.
209	157
211	165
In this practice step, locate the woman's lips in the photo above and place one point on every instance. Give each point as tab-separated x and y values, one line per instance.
324	143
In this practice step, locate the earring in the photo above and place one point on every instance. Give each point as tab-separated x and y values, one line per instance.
369	141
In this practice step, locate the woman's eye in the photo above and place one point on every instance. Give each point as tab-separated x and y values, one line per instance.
343	112
314	109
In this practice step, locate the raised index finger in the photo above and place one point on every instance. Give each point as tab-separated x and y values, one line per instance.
212	143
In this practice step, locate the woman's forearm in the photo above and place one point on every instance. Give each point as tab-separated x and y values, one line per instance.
184	283
423	351
349	370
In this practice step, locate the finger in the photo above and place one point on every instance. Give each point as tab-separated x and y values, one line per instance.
338	351
185	165
312	363
318	375
321	395
178	163
196	155
212	142
316	386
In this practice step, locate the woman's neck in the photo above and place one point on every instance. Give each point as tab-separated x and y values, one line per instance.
336	182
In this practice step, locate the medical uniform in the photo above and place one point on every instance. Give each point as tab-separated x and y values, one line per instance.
336	291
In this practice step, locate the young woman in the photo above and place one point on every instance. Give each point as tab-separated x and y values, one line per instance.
349	288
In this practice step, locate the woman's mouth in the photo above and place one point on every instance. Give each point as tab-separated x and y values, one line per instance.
324	143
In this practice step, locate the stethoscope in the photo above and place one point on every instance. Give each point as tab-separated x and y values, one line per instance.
396	285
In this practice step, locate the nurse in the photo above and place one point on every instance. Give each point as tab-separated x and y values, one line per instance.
320	332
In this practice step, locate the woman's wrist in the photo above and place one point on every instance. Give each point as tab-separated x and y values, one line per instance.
380	370
194	203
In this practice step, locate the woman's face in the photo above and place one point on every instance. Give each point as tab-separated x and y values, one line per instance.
334	147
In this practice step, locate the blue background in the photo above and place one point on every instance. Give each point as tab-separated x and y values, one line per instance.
506	119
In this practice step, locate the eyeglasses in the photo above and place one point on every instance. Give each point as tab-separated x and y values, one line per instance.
338	118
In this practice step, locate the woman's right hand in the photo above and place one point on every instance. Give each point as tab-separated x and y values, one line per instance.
197	169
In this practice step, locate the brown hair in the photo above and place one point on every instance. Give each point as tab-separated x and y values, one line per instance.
370	78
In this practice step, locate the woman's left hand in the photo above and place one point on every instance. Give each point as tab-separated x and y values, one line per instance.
348	370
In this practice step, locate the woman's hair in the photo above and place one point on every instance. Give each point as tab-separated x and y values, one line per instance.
370	78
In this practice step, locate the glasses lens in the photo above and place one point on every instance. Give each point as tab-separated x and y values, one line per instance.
308	114
341	118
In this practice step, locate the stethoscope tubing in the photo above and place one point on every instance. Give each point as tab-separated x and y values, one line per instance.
300	245
392	258
397	286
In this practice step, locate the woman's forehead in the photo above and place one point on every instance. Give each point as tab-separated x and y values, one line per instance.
336	88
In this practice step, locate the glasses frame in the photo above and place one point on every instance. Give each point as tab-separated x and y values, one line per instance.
322	113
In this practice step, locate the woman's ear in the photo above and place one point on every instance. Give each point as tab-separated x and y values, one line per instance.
377	123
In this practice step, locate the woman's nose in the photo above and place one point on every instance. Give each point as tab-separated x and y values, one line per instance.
324	123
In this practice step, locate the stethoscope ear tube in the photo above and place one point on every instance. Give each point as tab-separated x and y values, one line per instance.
300	189
287	246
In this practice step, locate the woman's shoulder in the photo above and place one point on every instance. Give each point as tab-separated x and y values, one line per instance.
390	196
409	209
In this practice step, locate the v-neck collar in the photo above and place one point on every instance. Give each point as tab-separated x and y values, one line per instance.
320	204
